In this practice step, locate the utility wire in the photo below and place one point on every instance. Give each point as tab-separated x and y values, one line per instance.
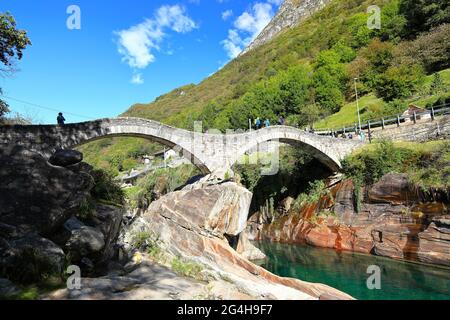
48	108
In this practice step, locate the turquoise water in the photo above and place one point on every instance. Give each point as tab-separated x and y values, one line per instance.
348	272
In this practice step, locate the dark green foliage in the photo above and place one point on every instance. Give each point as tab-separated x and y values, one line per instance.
369	167
428	165
399	82
423	15
12	40
12	43
437	86
430	49
106	189
297	168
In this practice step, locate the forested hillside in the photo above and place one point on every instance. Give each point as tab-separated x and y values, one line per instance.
306	74
315	63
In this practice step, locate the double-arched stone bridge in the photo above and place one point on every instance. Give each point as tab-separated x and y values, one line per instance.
209	152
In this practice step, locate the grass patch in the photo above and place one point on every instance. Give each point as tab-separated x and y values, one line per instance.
372	108
427	164
187	269
314	193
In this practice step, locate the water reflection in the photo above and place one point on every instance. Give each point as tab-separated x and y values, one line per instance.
347	272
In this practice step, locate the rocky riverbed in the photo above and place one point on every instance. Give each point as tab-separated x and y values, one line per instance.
186	245
396	220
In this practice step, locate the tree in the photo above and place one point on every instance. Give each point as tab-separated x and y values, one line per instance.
437	86
393	21
431	49
309	114
400	81
4	108
12	43
329	80
424	15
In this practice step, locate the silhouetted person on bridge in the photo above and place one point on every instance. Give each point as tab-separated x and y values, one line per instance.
257	123
60	119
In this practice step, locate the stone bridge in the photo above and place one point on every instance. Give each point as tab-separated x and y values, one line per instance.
209	152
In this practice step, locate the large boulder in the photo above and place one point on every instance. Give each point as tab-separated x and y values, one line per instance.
434	242
216	209
85	241
8	289
38	206
65	158
93	238
393	188
194	224
36	195
27	257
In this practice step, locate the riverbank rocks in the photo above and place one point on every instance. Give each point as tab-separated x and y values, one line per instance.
434	242
246	249
8	289
65	158
394	221
36	195
194	224
219	210
393	188
27	257
47	215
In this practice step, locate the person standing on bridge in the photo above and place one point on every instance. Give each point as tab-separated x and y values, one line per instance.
267	123
60	119
257	123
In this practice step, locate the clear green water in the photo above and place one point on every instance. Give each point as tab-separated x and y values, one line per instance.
348	272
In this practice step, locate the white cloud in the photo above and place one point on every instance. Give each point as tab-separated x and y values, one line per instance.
234	45
226	14
137	44
137	79
248	26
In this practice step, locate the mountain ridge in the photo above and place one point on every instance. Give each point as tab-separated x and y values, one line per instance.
167	107
290	14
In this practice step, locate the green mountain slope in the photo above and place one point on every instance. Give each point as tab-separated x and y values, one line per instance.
306	74
298	45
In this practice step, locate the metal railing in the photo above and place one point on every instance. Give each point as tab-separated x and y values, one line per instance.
383	122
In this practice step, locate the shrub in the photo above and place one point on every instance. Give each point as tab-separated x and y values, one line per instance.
147	241
106	189
314	193
187	269
400	82
369	167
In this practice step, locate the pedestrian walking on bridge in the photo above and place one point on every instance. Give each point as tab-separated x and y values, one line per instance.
61	120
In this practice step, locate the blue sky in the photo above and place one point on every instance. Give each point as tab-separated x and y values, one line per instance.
125	51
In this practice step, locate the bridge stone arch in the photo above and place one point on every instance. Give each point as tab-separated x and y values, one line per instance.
209	152
329	151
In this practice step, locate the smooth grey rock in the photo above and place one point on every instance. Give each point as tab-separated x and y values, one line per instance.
8	289
36	195
85	241
29	257
73	224
65	158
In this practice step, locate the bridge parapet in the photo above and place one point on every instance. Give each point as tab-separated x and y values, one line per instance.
209	152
